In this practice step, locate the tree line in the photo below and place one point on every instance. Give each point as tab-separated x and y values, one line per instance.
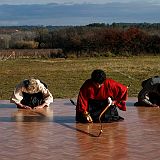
97	39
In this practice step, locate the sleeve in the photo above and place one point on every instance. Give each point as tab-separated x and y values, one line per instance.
120	94
48	98
143	97
82	101
17	94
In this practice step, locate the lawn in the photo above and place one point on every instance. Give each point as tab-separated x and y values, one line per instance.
65	76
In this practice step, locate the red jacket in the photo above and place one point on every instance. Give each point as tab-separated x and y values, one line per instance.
109	88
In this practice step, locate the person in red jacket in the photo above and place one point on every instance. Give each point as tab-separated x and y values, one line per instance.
93	98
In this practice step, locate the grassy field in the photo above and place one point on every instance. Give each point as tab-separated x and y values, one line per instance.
65	76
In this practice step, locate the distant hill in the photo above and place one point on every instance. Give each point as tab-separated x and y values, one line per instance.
78	14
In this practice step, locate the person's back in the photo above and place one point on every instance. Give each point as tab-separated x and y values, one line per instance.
31	93
150	94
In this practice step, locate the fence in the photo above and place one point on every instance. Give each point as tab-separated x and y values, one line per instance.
31	53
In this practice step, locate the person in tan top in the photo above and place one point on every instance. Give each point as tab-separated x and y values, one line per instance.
31	94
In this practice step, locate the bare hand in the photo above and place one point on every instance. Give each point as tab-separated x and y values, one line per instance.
26	107
21	106
154	105
40	107
87	117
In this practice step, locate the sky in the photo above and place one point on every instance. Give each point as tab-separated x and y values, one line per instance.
71	1
79	12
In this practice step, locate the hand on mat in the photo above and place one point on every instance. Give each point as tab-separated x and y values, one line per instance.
41	106
155	105
21	106
27	107
38	107
87	117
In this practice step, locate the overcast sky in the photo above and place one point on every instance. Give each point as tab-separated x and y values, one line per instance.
91	11
71	1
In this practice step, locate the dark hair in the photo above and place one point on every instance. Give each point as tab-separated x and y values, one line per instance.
26	83
98	76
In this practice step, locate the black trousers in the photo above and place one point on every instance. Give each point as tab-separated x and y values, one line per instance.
154	98
32	100
96	107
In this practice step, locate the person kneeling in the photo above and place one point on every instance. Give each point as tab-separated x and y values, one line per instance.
31	94
93	99
149	95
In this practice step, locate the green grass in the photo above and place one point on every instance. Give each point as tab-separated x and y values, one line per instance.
64	77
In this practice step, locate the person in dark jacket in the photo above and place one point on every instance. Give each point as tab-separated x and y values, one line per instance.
93	98
149	95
